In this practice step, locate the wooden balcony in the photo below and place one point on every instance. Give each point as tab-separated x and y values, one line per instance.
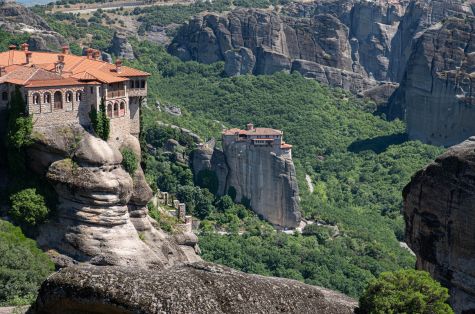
116	93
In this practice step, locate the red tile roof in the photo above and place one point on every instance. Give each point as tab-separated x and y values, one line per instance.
75	67
254	131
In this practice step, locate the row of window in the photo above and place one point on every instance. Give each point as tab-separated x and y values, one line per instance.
57	98
137	84
116	110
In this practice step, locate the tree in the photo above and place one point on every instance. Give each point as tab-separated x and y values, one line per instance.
28	207
404	291
100	121
129	160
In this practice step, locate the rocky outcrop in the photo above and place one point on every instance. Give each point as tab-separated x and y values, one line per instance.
258	178
436	93
193	288
18	19
121	47
101	218
440	214
348	44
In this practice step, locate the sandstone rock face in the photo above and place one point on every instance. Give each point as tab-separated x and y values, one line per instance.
193	288
436	93
354	45
17	19
101	218
121	47
268	182
440	214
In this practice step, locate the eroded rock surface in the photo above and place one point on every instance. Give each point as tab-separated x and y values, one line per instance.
437	91
257	176
101	217
121	47
440	217
192	288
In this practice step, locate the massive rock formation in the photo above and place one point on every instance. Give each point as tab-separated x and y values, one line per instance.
440	217
354	45
193	288
102	216
257	176
437	91
121	47
17	19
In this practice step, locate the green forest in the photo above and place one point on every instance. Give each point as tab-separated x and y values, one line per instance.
358	162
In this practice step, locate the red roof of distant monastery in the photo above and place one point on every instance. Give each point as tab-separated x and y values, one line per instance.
254	131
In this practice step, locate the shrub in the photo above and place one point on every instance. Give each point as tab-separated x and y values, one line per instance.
100	121
22	266
208	179
28	208
405	291
129	160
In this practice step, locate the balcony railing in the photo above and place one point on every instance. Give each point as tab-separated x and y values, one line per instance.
115	93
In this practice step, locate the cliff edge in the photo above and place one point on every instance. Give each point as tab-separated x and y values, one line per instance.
192	288
440	217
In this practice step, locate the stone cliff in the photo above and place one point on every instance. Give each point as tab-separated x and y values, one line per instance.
440	217
17	19
257	176
101	217
355	45
192	288
436	93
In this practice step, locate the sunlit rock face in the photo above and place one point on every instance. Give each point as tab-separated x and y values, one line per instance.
439	211
198	288
101	218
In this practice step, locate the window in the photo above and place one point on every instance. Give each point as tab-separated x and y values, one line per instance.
116	110
58	100
36	99
47	98
4	96
131	84
109	110
78	96
69	96
92	90
122	109
142	83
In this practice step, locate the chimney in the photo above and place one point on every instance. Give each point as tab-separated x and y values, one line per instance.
12	47
28	56
89	53
65	50
250	126
96	54
59	65
24	47
118	65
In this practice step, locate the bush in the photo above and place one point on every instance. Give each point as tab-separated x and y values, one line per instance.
22	266
405	291
28	207
100	121
129	160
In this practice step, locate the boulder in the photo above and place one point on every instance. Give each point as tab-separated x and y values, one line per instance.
191	288
440	214
239	62
121	47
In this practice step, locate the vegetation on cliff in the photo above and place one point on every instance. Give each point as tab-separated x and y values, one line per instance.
405	291
22	266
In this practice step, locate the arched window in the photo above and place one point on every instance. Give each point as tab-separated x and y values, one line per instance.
78	96
58	100
122	109
116	110
109	110
47	98
69	96
36	99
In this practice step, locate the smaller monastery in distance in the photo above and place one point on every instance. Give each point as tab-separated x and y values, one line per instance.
62	88
259	137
